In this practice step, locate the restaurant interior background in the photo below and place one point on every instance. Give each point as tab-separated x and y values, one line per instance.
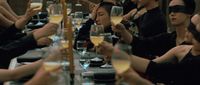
19	6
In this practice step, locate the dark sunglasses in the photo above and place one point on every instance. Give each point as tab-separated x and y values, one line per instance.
193	30
178	9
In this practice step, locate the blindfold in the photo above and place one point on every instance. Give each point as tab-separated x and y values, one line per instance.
180	9
193	30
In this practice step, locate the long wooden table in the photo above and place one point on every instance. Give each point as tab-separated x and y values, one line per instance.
78	68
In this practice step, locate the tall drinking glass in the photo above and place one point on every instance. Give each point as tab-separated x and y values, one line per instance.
81	47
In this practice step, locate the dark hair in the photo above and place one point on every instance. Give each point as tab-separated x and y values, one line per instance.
193	29
190	5
107	6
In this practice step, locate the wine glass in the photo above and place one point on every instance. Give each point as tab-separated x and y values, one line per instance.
85	63
55	13
69	8
78	19
120	61
107	38
52	59
55	16
97	37
38	4
116	16
81	47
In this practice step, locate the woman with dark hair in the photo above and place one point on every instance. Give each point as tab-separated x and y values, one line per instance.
180	12
179	66
100	16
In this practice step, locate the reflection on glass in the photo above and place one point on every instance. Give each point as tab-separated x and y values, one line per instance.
78	19
116	16
120	61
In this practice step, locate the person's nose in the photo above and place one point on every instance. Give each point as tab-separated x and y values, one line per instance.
172	14
97	19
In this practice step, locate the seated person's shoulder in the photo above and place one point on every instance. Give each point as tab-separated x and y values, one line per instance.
181	50
183	47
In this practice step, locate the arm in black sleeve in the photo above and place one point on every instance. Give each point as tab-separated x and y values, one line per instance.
158	45
17	47
161	38
8	32
84	32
